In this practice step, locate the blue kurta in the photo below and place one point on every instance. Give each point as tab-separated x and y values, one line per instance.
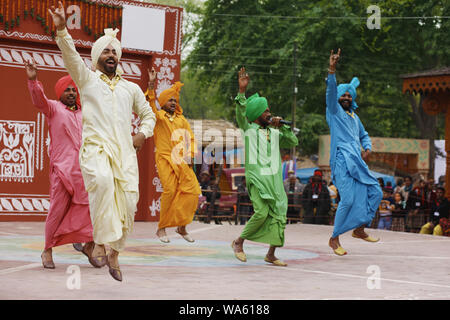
359	190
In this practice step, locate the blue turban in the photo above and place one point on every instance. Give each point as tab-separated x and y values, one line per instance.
255	107
351	88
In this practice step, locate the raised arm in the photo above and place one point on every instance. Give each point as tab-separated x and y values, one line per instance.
331	95
241	101
36	89
73	62
150	93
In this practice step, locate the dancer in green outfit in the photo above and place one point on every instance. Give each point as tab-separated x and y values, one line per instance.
264	136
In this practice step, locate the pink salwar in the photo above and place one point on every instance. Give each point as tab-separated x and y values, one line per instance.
68	219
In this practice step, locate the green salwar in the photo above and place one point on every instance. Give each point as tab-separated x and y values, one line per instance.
264	179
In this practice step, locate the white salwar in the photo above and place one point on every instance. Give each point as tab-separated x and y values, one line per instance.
107	157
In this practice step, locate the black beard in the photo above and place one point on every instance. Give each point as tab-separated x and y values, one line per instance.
109	69
344	107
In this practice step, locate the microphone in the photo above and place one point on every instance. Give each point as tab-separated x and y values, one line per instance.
283	122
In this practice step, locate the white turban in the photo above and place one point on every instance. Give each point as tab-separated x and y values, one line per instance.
102	43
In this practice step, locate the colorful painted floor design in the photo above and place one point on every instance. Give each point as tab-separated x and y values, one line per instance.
201	253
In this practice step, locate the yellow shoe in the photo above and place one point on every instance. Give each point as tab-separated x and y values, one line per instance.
340	251
277	262
239	255
368	238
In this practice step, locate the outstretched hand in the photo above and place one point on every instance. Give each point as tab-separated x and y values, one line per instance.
31	69
58	16
151	78
334	58
244	80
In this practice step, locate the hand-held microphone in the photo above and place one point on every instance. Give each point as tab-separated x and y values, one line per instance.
286	122
283	121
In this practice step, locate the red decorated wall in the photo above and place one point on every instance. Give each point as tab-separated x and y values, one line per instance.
26	31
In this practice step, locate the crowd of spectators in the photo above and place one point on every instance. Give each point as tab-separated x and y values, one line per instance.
410	206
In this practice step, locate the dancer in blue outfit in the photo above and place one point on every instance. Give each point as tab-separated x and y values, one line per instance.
359	190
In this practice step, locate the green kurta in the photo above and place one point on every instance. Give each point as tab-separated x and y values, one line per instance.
264	179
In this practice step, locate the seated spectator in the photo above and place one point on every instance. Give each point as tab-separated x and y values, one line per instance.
293	189
316	200
399	213
439	223
385	210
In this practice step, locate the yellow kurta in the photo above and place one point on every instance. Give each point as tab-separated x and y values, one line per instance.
107	157
173	139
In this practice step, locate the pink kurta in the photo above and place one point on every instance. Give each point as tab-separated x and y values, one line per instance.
68	219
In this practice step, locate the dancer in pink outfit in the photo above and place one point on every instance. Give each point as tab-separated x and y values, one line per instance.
68	219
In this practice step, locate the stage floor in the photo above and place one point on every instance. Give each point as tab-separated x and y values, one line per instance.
400	266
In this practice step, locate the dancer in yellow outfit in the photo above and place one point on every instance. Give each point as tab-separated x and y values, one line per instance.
174	142
108	158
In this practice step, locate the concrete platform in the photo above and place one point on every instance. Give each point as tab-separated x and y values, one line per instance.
400	266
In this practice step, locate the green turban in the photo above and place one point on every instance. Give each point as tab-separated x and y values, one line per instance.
256	106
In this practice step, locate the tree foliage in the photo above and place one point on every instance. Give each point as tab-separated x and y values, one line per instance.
261	35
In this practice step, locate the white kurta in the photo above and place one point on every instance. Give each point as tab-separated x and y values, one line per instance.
107	157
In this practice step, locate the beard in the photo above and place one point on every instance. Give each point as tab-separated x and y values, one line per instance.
110	69
346	107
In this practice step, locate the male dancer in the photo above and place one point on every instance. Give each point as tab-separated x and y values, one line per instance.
108	158
68	219
263	171
359	190
179	199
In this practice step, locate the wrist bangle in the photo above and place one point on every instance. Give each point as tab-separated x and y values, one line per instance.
331	71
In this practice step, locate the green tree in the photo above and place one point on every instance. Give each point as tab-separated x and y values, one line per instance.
261	34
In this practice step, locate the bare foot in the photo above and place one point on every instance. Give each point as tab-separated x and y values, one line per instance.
99	250
182	230
334	243
47	259
360	232
161	233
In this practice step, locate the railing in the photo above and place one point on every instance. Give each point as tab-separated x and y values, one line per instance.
236	207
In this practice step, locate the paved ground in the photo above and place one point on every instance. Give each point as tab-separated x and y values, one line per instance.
400	266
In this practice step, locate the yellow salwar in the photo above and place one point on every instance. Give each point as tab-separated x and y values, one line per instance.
174	139
107	157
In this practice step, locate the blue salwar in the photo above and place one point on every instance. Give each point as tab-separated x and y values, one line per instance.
359	190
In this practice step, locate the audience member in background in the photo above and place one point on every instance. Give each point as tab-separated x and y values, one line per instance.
294	190
399	213
399	185
438	223
381	181
431	190
212	194
407	187
389	186
417	204
243	199
316	200
334	196
385	210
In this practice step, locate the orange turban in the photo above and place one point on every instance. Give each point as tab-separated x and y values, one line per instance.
62	84
173	91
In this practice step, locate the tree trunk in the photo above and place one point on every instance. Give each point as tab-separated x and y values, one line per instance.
427	125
